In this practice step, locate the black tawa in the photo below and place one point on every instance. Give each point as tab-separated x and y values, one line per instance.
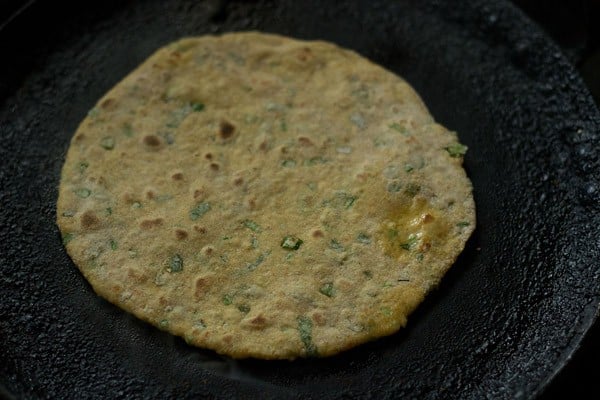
505	319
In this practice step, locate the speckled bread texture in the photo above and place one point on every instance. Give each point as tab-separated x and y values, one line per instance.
264	197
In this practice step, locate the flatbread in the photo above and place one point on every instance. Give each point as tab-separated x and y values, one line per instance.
264	197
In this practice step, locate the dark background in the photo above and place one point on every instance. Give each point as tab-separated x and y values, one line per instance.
575	27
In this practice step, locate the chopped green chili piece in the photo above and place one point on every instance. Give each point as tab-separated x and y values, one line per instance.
288	163
305	329
197	107
411	242
199	210
83	166
244	308
67	237
83	192
462	224
327	289
227	299
176	263
363	238
113	244
456	150
226	238
291	243
335	245
349	201
412	189
108	143
253	226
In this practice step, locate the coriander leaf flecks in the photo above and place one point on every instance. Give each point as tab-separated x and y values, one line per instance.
199	210
227	299
456	150
305	326
363	238
291	242
327	289
67	237
253	226
411	242
176	263
335	245
83	192
197	107
107	143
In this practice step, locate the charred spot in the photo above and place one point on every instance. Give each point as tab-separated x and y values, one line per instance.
200	229
152	141
259	320
319	318
198	194
304	141
178	176
150	194
214	166
89	220
137	277
263	146
304	54
208	156
108	103
151	223
238	181
181	234
79	137
228	339
200	287
317	233
226	130
427	218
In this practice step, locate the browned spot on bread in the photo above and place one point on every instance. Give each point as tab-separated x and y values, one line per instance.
319	318
162	301
304	54
108	103
208	250
89	220
181	234
152	141
150	194
228	339
200	229
226	130
200	288
208	156
263	146
136	276
317	233
251	203
238	181
177	176
425	247
151	223
198	194
79	137
304	141
259	320
427	218
214	166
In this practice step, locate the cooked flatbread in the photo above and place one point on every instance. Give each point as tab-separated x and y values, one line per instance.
264	197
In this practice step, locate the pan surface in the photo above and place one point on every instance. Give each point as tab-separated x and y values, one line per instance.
504	320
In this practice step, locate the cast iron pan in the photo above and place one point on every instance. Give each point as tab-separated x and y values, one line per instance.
505	319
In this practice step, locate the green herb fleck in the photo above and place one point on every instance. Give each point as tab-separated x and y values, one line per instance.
312	186
315	160
412	189
244	308
363	238
283	125
349	201
368	274
127	129
463	224
227	299
93	113
226	238
288	163
420	256
176	263
108	211
291	243
252	266
305	329
108	143
253	226
254	242
394	187
456	150
83	192
199	210
113	244
197	107
411	242
224	258
136	205
83	166
327	289
398	128
335	245
408	168
164	323
68	214
392	233
386	311
67	237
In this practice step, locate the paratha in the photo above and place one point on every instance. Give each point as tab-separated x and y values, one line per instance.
264	196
